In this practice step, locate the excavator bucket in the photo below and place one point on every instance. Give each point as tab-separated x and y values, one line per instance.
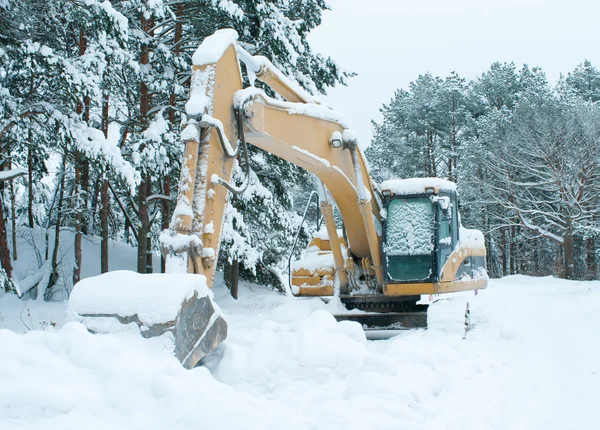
177	307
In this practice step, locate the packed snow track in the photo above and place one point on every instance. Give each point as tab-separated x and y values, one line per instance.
530	361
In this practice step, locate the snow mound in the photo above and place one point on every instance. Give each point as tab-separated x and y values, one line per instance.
154	298
72	379
416	185
297	340
288	364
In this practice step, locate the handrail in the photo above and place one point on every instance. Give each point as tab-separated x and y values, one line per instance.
293	248
241	142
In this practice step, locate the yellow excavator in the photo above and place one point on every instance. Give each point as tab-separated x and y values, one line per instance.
399	240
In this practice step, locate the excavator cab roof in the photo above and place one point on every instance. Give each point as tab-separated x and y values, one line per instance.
400	187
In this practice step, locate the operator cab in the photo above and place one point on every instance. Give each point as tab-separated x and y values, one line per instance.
420	230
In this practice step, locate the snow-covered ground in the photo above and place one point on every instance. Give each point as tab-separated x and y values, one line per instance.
530	361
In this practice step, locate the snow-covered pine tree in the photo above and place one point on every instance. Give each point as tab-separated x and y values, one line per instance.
423	127
53	61
488	132
585	81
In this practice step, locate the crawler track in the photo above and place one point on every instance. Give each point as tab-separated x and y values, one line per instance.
381	313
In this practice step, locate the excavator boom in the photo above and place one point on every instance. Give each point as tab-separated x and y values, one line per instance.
300	131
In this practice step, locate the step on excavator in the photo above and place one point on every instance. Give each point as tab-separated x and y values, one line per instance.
399	240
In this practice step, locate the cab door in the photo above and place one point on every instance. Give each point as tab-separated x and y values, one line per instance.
445	241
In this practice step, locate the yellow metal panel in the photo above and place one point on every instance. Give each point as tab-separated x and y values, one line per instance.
451	267
306	280
316	291
456	286
410	289
322	271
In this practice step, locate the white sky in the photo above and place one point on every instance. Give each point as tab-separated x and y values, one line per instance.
390	42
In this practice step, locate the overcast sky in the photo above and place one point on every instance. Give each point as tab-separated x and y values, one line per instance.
390	42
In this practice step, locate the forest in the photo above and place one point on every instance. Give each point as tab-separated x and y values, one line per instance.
92	96
524	154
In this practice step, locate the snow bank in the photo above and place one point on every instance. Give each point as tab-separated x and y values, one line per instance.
213	47
416	185
72	379
298	339
154	298
287	363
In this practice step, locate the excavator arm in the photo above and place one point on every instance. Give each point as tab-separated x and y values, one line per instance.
222	118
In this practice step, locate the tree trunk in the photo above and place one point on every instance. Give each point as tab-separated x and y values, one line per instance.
61	190
82	109
4	251
85	197
166	216
93	205
144	227
144	188
568	256
590	259
13	212
127	227
78	219
104	202
149	268
30	182
503	246
513	251
559	265
166	204
235	277
536	257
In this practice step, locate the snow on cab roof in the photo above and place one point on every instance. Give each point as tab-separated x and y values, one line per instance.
416	185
